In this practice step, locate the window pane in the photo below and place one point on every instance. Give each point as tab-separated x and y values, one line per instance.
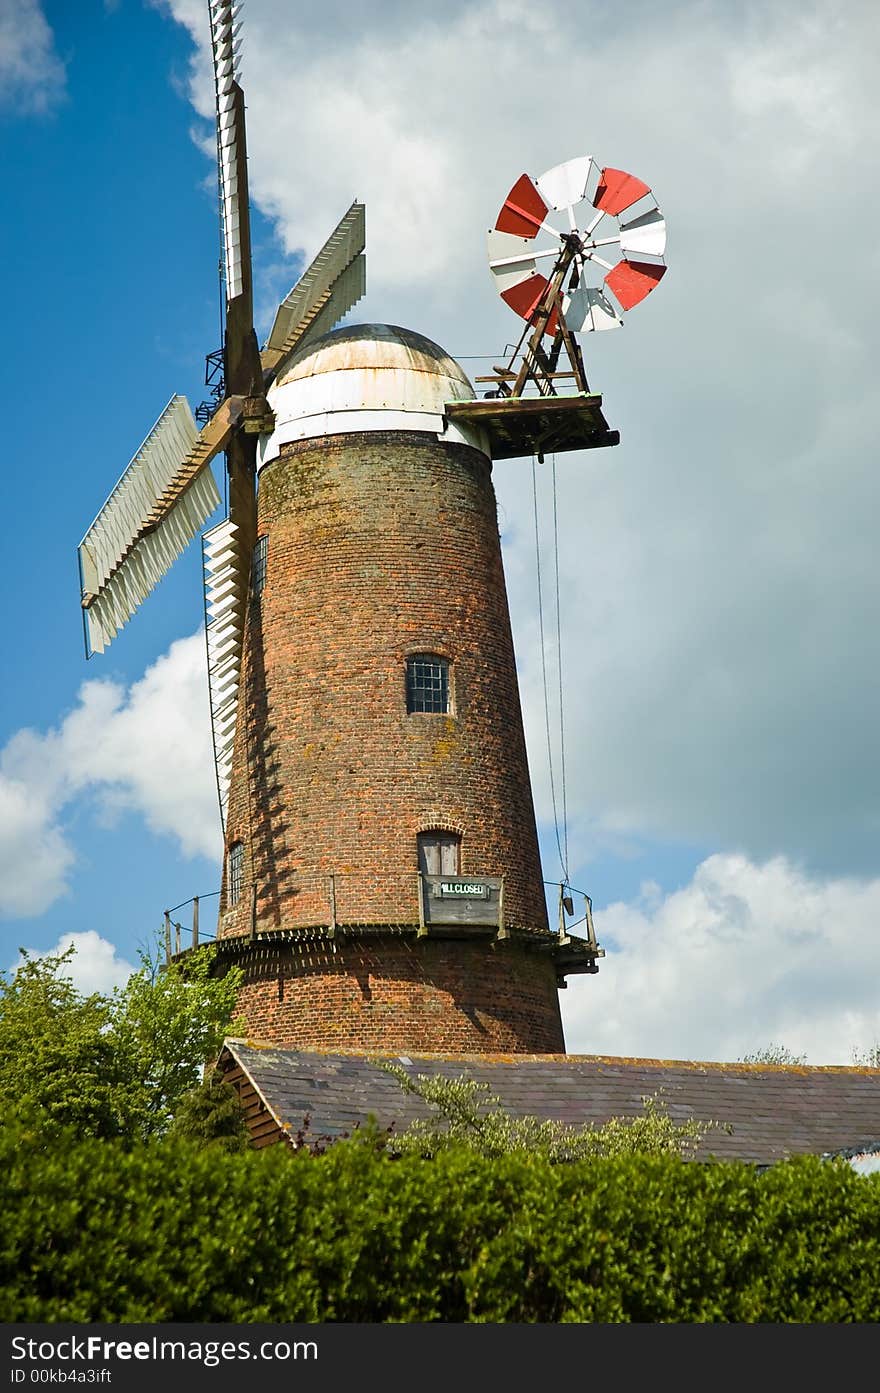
427	684
258	570
236	868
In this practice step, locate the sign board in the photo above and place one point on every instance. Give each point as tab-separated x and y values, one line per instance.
462	900
462	889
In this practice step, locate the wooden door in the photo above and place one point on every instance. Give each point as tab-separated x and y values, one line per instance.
439	853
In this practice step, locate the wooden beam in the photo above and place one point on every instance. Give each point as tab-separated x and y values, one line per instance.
507	375
549	301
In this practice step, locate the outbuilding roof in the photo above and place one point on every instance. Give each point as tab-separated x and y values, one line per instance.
766	1112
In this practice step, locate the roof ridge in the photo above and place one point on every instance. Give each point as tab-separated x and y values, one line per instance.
501	1058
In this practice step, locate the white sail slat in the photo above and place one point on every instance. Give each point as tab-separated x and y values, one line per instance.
149	559
318	282
148	473
225	43
225	607
348	289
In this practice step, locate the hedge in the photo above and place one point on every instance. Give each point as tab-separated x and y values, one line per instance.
166	1231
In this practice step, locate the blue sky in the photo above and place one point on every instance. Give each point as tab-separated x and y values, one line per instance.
719	573
113	237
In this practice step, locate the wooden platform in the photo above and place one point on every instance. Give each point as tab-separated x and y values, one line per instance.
537	425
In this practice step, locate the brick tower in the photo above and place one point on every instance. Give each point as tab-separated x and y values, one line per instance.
382	884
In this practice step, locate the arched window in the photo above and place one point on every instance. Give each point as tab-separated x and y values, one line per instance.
235	873
427	683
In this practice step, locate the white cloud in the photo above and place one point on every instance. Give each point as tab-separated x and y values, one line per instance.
95	966
429	117
744	956
34	855
719	576
145	750
149	749
31	73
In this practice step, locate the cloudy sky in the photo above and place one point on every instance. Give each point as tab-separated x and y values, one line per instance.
720	652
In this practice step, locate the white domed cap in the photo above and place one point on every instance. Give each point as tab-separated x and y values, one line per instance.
363	378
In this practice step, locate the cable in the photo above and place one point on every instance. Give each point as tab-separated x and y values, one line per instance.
559	665
562	858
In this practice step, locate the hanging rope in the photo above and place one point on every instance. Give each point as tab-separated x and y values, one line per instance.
559	667
563	854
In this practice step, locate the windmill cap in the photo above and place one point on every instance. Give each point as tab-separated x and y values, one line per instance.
367	377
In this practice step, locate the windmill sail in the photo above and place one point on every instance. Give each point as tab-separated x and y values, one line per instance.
225	597
225	27
228	551
163	498
327	290
347	290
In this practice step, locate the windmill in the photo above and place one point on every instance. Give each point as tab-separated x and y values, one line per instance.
382	884
168	492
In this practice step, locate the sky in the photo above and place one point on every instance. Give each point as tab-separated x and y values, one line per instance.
718	575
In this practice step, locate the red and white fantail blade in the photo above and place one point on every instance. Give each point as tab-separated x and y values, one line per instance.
512	259
618	191
645	236
586	309
566	185
519	283
526	296
524	210
631	281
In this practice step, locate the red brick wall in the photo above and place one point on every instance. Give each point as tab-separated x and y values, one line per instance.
403	995
380	545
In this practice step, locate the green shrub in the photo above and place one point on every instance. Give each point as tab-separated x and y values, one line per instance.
467	1113
167	1230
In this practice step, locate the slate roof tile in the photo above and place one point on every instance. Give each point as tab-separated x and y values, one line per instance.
772	1110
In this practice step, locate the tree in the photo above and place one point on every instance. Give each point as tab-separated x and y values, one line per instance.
58	1061
773	1054
212	1115
114	1065
780	1054
466	1112
170	1022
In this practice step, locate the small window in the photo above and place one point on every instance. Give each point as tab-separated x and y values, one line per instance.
439	853
427	683
258	568
236	870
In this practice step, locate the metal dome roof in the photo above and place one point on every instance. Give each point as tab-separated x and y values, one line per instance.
372	346
367	377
